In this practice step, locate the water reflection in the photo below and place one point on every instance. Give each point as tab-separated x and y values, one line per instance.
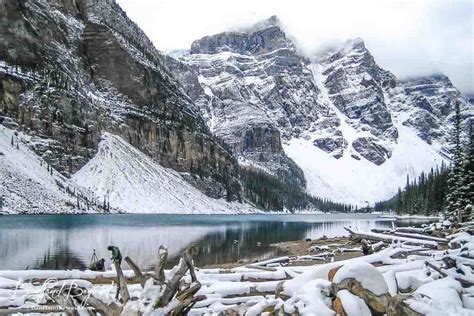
59	242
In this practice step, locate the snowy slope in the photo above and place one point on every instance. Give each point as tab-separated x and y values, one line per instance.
27	185
357	181
352	127
132	182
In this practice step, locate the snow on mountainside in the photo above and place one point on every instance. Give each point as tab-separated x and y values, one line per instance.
72	70
351	126
27	185
134	183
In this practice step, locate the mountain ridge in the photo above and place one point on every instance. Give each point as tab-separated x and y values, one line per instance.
77	73
342	102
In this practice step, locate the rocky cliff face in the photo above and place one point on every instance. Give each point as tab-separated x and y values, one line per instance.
337	111
71	70
429	103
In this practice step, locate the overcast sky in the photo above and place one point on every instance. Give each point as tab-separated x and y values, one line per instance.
409	38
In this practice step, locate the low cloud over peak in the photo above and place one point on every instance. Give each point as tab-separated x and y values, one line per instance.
409	38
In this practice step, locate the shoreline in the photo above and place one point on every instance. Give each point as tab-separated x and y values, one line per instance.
390	271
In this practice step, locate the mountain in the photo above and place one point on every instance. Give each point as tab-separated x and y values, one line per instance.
336	124
72	71
132	181
95	119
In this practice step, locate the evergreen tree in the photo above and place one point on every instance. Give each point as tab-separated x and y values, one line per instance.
466	178
454	197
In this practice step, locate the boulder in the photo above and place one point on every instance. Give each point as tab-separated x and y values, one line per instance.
348	304
365	281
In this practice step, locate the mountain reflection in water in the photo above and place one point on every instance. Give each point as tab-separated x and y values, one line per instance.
67	241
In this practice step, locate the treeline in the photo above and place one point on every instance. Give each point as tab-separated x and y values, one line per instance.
425	195
461	177
445	189
270	193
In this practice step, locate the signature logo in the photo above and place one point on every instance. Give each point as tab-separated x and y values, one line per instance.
55	290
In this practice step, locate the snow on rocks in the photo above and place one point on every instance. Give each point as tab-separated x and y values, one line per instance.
365	273
29	185
353	305
440	297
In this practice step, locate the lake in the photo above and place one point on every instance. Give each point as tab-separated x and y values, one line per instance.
68	241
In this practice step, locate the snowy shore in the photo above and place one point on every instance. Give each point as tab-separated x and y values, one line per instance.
426	272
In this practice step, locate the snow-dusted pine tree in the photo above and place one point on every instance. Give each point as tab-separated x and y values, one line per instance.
455	178
466	184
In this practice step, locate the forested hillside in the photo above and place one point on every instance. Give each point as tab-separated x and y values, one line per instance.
270	193
445	188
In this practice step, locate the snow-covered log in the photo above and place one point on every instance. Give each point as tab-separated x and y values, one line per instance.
420	236
391	238
463	280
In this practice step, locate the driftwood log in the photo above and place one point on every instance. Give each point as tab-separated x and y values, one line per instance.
185	296
160	264
391	238
136	270
122	288
444	273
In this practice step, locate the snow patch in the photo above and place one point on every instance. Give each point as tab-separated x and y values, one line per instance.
132	182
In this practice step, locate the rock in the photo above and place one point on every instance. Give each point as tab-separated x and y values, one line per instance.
351	304
324	237
357	90
370	149
365	281
80	68
331	144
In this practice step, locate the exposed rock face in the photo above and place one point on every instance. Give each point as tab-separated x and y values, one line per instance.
251	85
368	148
72	69
356	87
428	103
255	81
332	144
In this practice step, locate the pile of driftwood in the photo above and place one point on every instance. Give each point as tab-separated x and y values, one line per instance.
405	259
73	299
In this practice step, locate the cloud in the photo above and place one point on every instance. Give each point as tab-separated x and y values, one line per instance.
409	38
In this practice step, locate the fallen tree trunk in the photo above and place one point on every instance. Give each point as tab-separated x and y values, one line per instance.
111	309
444	273
420	236
47	310
391	238
409	230
264	268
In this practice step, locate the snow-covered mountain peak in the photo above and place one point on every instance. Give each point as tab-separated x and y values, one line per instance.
336	111
354	44
261	38
272	21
